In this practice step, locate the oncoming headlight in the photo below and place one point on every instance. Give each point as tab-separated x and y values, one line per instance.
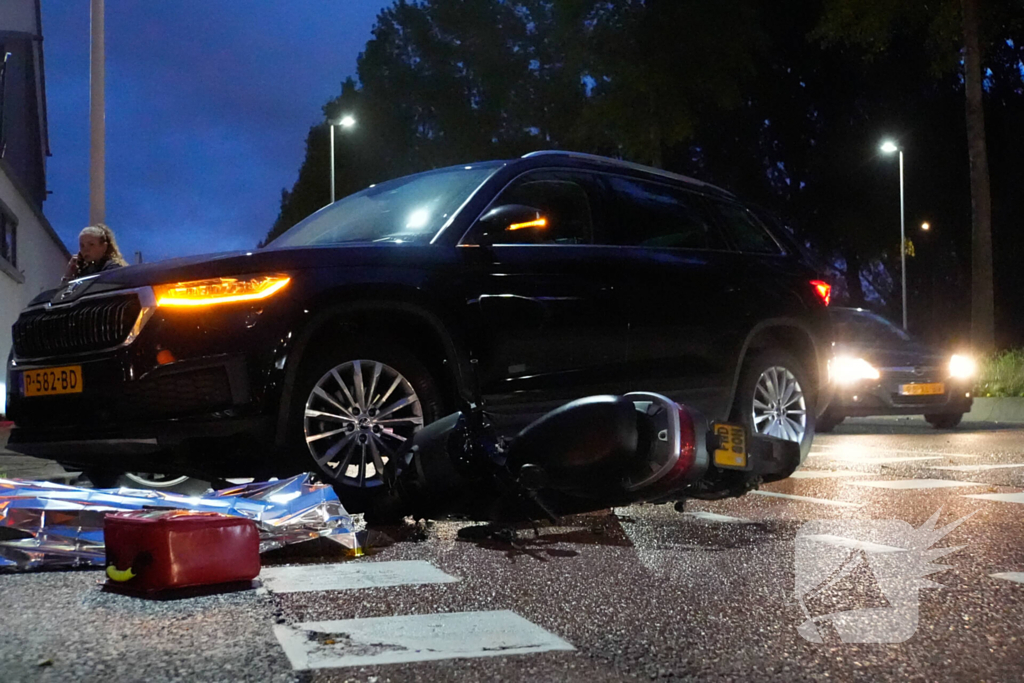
219	290
962	367
848	369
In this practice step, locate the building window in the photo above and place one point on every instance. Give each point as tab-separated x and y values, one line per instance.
8	239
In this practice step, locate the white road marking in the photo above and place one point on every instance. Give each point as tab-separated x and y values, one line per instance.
1009	576
823	501
904	484
412	638
715	517
351	576
881	461
827	474
1000	497
971	468
855	450
854	544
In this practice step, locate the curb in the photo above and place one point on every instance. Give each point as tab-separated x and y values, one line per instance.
1007	410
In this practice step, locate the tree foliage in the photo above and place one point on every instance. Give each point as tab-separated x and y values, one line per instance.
783	103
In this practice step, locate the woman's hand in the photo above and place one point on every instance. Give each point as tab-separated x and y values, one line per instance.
72	270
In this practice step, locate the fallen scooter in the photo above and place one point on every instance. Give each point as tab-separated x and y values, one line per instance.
590	454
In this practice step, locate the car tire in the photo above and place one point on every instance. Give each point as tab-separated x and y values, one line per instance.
756	378
827	421
348	435
106	479
948	421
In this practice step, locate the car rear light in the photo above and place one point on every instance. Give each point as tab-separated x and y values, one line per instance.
823	290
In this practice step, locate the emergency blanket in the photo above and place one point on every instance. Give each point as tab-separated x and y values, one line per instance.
44	525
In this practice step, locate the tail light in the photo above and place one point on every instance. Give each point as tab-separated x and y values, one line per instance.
676	454
823	290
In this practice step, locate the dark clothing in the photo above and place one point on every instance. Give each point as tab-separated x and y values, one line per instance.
96	267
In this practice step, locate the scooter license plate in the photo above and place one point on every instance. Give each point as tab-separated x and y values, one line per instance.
731	452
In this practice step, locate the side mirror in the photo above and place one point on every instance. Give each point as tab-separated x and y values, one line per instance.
501	222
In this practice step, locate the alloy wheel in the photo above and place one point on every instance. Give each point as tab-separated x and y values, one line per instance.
151	480
357	416
779	407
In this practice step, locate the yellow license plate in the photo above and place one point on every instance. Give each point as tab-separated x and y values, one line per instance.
732	446
52	381
922	389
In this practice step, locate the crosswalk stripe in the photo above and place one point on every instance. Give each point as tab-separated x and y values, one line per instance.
971	468
827	474
413	638
832	449
806	499
715	517
1009	576
852	543
351	576
1000	497
904	484
881	461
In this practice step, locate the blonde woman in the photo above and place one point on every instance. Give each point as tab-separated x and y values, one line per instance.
97	251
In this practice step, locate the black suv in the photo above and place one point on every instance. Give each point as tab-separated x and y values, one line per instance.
538	280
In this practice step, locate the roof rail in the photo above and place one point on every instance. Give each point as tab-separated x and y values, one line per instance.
624	164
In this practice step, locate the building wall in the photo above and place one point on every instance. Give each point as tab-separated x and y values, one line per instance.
41	258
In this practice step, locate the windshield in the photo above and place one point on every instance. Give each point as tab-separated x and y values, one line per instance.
866	328
410	209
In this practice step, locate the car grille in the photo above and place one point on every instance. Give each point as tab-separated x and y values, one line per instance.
925	400
86	326
180	393
908	376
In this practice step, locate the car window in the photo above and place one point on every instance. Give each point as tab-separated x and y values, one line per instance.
744	230
655	215
866	328
561	198
405	210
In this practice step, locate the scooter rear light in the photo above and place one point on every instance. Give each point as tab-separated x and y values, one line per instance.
687	449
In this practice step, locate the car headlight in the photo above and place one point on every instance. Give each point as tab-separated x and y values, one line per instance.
219	290
962	367
848	369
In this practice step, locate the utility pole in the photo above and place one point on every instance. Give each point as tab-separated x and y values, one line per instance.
97	118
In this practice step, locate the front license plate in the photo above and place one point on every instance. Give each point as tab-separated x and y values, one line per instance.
52	381
732	446
922	389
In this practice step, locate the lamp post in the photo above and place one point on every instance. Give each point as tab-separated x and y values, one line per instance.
890	147
346	122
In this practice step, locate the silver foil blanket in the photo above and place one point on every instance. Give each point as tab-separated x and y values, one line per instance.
44	525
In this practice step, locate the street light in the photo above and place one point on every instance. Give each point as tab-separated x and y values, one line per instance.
347	122
890	147
926	226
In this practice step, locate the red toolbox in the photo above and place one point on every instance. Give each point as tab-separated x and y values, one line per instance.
163	550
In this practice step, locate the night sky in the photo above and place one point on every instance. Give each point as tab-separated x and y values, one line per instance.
208	107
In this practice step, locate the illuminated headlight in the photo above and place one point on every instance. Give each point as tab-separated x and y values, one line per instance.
962	367
847	370
220	290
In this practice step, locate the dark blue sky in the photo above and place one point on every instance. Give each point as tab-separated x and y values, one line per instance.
208	107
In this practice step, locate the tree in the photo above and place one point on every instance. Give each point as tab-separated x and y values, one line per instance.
953	28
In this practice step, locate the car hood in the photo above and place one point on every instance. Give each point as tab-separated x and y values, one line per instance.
911	354
236	263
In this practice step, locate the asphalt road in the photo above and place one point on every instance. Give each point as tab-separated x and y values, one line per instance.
730	590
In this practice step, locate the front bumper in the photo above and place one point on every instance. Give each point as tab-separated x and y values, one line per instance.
207	409
883	397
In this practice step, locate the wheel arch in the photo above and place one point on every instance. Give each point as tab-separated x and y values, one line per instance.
408	322
790	335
